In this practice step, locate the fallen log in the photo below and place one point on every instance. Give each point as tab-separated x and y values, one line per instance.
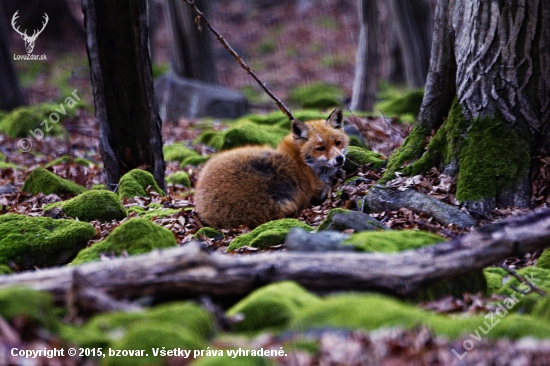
191	270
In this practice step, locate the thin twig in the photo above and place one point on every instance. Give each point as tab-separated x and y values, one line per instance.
200	16
520	278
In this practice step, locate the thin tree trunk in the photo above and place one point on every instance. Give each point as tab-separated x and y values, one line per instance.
11	95
368	57
192	53
125	103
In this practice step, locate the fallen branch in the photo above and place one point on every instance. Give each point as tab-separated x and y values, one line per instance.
200	16
191	270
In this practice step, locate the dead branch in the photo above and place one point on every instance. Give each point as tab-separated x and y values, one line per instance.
244	65
191	270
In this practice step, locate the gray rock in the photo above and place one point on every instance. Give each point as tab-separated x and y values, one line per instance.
381	198
299	240
179	97
340	220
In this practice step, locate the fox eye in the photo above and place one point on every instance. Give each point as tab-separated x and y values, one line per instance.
320	148
337	143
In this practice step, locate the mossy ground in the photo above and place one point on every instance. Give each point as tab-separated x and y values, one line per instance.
136	236
179	178
43	181
41	241
392	241
20	121
152	213
37	307
406	105
209	233
185	155
101	205
357	157
544	260
68	159
272	306
271	233
317	95
135	182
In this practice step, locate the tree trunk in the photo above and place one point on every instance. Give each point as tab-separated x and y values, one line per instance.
494	57
368	57
192	53
125	103
413	28
11	95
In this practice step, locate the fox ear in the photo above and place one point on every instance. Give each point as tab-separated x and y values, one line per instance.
336	118
299	129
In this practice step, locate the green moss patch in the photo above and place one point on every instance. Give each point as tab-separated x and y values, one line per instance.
317	95
135	183
538	276
209	233
400	105
178	152
136	236
101	205
370	312
392	241
44	181
69	159
495	278
544	260
20	121
272	306
41	241
179	178
357	156
249	133
33	306
4	165
268	234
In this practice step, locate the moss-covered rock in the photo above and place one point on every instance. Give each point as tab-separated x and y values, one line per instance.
272	306
158	213
34	306
527	300
194	160
135	183
136	236
407	104
495	278
101	205
209	233
357	156
249	133
266	235
370	312
44	181
177	152
544	260
542	309
179	178
392	241
339	219
69	159
20	121
317	95
41	241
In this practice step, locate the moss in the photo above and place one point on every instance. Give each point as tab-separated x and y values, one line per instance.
486	165
20	121
268	234
272	306
98	187
370	312
136	236
328	219
101	205
105	328
135	182
407	104
392	241
544	260
34	306
43	181
194	160
356	157
69	159
317	95
249	133
538	276
178	152
41	241
495	278
209	233
179	178
542	309
211	138
4	165
159	213
5	269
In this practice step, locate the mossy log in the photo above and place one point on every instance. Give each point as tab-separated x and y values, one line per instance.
190	270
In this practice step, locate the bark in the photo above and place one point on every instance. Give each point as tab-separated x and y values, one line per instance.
413	27
494	57
11	95
192	53
125	103
368	57
191	271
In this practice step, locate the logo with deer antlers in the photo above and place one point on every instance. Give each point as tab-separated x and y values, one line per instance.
29	40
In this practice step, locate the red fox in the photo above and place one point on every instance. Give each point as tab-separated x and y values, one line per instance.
254	184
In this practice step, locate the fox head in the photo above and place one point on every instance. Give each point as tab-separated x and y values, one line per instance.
323	144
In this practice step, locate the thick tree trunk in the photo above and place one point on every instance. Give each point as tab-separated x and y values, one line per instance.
192	53
494	57
368	57
125	103
413	27
191	271
11	95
